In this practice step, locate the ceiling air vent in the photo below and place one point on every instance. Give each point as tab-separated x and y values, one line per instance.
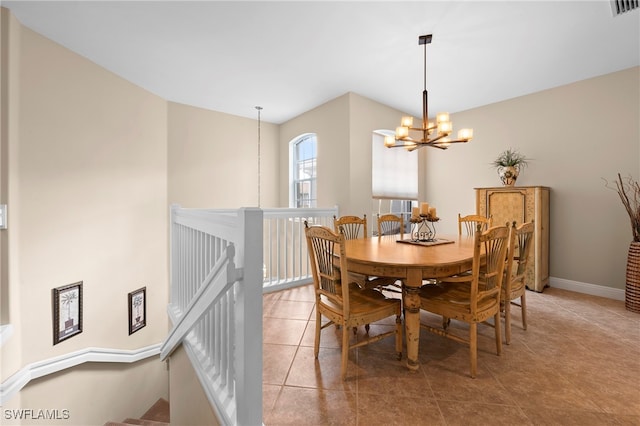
618	7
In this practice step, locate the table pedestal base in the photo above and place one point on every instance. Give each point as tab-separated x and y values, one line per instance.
411	300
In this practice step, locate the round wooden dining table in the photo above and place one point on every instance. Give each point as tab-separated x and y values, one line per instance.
387	257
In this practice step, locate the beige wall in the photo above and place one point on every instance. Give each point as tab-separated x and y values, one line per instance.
87	202
7	24
10	30
576	136
344	127
330	122
94	393
206	147
189	403
91	197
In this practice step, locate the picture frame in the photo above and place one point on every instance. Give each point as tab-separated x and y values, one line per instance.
137	309
67	311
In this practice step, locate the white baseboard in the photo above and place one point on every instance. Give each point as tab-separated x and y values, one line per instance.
13	384
586	288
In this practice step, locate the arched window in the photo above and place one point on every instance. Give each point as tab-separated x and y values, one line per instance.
302	171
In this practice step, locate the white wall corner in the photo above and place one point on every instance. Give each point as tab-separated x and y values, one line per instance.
586	288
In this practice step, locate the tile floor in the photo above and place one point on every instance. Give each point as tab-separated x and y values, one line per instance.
577	364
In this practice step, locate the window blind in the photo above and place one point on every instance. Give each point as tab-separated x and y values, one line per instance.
394	171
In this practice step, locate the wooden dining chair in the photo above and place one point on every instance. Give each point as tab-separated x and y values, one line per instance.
356	227
470	223
352	226
342	302
472	298
390	224
514	285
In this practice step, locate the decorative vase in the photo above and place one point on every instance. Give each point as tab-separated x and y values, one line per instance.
508	175
632	289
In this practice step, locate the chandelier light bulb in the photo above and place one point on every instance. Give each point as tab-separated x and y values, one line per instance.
402	132
407	122
442	117
466	134
445	127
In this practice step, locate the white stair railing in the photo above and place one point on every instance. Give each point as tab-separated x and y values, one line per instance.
286	261
216	306
221	263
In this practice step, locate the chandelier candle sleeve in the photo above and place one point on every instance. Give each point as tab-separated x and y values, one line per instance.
406	122
444	128
465	134
402	132
389	141
442	117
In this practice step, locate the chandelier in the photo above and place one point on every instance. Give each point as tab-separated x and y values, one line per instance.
430	134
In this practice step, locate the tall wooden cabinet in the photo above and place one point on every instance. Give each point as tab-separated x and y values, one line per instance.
522	204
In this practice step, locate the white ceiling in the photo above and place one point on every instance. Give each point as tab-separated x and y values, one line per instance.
291	56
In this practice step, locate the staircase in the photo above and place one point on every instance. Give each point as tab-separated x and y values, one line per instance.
157	415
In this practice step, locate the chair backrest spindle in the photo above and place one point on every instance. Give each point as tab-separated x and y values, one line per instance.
390	224
470	222
352	226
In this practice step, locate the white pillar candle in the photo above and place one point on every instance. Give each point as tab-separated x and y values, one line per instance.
415	212
432	212
424	209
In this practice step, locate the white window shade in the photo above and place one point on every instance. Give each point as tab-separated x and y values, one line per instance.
394	171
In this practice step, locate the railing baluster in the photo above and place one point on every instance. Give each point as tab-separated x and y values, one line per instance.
217	338
230	341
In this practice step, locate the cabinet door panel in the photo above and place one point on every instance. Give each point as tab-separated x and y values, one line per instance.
506	207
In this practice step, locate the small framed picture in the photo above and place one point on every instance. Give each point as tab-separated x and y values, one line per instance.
67	311
137	309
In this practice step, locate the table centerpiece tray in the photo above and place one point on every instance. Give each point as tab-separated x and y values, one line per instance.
434	242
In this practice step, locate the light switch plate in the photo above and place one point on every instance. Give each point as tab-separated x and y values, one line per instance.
3	216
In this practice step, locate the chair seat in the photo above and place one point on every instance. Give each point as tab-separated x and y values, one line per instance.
515	291
383	284
365	306
439	298
367	282
359	279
